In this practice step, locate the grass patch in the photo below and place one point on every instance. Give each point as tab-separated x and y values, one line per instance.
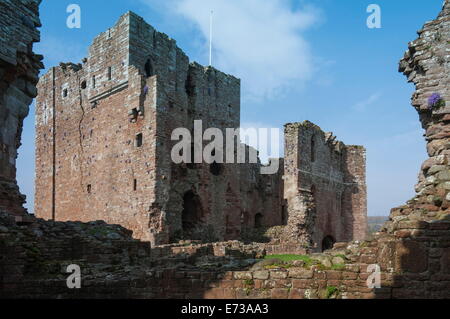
290	258
338	267
287	258
249	282
331	290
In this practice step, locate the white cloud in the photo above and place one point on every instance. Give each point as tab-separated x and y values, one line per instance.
259	41
268	146
363	105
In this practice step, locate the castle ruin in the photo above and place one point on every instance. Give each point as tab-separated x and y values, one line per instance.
412	250
19	74
103	152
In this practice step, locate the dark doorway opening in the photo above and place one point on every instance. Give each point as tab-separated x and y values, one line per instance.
192	212
258	220
328	243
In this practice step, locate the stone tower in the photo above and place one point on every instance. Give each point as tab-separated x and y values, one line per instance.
104	138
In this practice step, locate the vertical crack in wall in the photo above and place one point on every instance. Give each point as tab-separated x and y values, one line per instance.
80	131
54	146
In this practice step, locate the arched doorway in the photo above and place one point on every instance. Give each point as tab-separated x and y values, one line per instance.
258	220
192	212
328	243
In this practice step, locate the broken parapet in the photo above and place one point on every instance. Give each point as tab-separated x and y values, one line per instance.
325	187
19	69
426	64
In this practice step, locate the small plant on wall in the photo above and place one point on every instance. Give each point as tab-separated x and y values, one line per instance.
435	101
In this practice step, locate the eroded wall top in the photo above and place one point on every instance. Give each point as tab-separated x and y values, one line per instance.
19	69
427	64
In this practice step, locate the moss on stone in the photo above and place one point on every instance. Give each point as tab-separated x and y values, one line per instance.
338	267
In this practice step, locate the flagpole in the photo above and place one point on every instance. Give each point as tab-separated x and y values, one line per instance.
210	37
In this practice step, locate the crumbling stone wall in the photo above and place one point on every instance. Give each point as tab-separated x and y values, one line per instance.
262	202
88	119
413	250
325	188
19	68
426	64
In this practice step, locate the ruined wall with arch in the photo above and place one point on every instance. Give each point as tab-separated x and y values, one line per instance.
325	186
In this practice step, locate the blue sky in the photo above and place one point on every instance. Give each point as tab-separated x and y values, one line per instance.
298	60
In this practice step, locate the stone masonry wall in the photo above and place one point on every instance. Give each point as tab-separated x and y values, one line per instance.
88	165
412	251
19	68
354	198
324	198
136	83
262	202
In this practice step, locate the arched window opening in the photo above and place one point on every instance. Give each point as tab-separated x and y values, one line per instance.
313	149
109	74
149	68
139	140
192	212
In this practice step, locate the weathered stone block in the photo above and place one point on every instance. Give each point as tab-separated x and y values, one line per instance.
411	256
299	273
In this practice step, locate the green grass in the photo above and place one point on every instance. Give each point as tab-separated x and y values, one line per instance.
249	282
331	290
338	267
287	258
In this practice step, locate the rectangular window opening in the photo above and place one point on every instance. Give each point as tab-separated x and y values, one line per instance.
139	140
